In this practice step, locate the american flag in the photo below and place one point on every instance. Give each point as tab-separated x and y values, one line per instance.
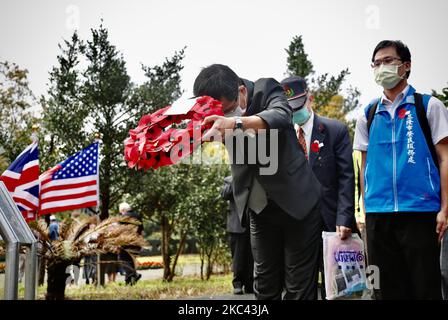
72	184
22	181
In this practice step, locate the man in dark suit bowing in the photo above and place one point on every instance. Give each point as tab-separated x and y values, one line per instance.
327	145
275	187
239	241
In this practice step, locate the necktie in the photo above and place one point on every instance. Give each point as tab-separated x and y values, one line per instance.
302	141
257	199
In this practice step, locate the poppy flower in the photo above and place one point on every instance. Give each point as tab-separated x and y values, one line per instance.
402	113
151	144
316	145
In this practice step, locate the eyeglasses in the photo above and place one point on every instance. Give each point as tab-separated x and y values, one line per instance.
386	61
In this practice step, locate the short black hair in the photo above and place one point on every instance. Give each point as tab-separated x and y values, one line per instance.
217	81
402	50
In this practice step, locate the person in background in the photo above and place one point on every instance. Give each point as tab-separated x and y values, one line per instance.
403	137
90	261
110	261
328	149
22	261
282	204
128	265
54	228
74	269
360	215
239	239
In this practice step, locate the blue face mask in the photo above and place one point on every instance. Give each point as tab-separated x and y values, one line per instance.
301	116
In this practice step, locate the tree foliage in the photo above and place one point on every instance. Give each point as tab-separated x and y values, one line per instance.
184	198
443	96
327	89
91	92
298	63
16	117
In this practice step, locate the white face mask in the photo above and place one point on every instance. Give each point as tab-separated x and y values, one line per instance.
387	76
237	112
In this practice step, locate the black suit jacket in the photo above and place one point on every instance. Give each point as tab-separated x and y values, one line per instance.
333	167
233	221
293	187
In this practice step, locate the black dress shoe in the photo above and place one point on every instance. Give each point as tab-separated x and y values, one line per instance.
237	290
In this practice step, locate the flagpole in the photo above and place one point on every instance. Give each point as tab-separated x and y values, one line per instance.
100	280
40	262
35	139
32	265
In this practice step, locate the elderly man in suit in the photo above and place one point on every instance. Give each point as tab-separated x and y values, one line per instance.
282	204
239	240
326	143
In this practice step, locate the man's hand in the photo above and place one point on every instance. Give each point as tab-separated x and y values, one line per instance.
343	232
442	223
219	127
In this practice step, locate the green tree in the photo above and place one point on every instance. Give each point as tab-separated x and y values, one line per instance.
325	88
298	63
100	98
106	92
16	116
184	200
210	212
443	96
162	86
64	123
160	196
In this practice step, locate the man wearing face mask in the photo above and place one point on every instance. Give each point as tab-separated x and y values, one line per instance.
283	207
326	142
403	137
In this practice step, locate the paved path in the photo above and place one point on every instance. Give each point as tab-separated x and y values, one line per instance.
192	270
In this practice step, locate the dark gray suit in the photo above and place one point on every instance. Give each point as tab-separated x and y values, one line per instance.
285	235
239	240
293	188
333	167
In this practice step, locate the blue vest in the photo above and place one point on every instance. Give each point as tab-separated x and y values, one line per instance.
400	174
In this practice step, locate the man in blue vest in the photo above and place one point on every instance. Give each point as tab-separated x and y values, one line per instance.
403	137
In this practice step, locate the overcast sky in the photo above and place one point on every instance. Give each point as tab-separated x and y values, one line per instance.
249	36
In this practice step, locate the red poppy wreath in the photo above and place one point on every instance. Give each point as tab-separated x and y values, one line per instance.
156	142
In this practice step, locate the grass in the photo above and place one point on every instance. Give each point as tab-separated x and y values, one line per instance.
179	288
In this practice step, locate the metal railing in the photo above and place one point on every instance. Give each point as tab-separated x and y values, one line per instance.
16	233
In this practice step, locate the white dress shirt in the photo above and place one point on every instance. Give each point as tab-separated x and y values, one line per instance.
307	128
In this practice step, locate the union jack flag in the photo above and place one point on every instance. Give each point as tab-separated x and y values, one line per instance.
22	181
71	184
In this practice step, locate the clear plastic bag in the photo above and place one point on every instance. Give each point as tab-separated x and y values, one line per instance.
344	266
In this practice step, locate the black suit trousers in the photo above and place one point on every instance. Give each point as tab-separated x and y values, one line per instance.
242	261
405	248
286	254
